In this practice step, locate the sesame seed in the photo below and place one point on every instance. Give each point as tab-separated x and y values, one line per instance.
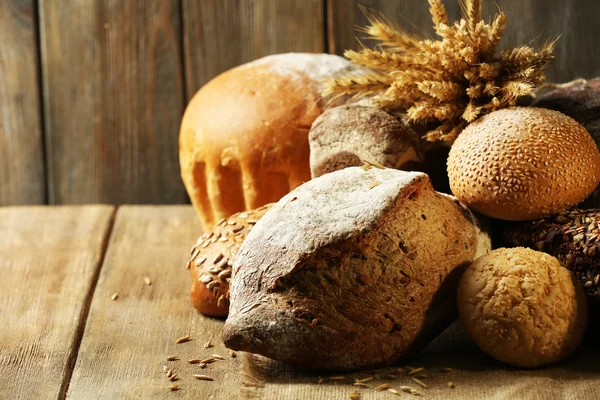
208	344
173	388
172	358
114	296
147	280
451	385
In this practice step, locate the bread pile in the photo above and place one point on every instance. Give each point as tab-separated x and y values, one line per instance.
364	264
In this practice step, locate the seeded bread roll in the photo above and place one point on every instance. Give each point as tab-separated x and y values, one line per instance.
212	258
354	269
572	236
523	163
243	140
579	100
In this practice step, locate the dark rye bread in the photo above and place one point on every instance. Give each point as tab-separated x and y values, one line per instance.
572	236
343	136
355	269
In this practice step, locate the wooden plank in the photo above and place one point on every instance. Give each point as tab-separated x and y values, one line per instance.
221	34
22	179
50	262
113	97
344	17
574	20
127	341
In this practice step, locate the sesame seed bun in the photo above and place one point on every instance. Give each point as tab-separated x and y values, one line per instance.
523	163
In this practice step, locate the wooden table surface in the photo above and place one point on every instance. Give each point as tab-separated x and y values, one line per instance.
63	336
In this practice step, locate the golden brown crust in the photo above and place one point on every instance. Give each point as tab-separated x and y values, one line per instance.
244	135
523	163
211	260
522	307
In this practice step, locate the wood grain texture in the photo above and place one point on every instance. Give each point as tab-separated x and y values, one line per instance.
113	96
50	261
22	178
221	34
575	20
127	341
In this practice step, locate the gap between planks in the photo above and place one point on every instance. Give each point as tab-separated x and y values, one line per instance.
85	310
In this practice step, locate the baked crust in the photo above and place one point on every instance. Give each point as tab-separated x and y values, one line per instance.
244	136
355	269
211	260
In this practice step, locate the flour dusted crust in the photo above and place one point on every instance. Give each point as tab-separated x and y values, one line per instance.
355	269
244	136
522	307
344	136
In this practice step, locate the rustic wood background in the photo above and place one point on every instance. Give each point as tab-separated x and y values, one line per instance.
92	91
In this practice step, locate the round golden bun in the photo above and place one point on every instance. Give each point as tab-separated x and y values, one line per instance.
212	258
244	136
523	163
522	307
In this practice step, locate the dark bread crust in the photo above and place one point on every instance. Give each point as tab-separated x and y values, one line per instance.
342	136
355	269
211	260
572	237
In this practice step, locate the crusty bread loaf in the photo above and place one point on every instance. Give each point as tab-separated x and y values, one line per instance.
355	269
343	136
244	136
212	258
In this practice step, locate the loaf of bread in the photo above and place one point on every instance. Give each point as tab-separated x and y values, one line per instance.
572	236
579	100
211	260
344	136
351	134
355	269
244	136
